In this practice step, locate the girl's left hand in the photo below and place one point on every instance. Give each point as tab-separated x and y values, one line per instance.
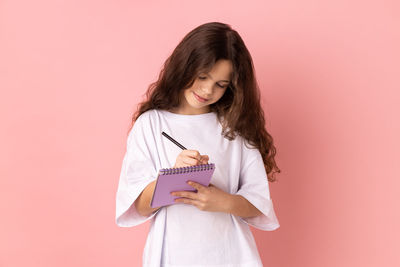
209	198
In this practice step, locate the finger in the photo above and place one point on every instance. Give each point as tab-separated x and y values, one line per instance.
195	185
193	153
187	201
183	164
204	159
185	194
190	161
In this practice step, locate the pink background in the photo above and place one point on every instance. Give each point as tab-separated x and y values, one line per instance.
72	72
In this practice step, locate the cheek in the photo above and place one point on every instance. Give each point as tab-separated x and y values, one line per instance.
187	93
221	93
196	84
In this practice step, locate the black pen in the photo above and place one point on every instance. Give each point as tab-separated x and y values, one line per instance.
173	140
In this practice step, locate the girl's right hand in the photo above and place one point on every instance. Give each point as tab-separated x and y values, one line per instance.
190	158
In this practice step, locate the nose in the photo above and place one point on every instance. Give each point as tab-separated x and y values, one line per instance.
207	89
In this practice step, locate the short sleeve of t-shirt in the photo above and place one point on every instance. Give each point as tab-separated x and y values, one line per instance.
138	170
253	185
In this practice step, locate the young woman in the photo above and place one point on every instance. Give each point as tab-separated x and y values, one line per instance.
206	98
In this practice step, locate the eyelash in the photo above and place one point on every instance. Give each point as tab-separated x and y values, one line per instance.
203	78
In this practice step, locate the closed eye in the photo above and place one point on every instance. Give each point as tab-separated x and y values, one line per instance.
222	86
203	78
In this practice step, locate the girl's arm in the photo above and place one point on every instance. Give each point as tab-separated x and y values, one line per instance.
240	206
211	198
142	203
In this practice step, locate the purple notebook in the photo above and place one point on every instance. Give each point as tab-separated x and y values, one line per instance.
175	179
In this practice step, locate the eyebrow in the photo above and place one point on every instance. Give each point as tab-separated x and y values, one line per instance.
221	80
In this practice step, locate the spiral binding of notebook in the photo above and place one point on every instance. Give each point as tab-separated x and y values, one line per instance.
175	179
187	169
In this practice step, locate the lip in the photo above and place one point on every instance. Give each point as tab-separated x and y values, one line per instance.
199	98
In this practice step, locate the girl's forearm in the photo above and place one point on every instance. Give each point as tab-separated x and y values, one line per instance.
142	203
240	206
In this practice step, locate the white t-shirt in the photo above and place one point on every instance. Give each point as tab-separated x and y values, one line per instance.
181	234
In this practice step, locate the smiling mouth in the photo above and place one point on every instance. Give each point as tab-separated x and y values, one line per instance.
200	98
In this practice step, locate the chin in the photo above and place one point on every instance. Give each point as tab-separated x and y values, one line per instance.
197	105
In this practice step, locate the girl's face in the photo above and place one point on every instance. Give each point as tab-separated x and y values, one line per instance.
207	89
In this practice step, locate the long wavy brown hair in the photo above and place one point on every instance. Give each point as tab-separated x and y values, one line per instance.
239	110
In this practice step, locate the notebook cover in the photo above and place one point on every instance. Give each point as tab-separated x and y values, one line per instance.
167	182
